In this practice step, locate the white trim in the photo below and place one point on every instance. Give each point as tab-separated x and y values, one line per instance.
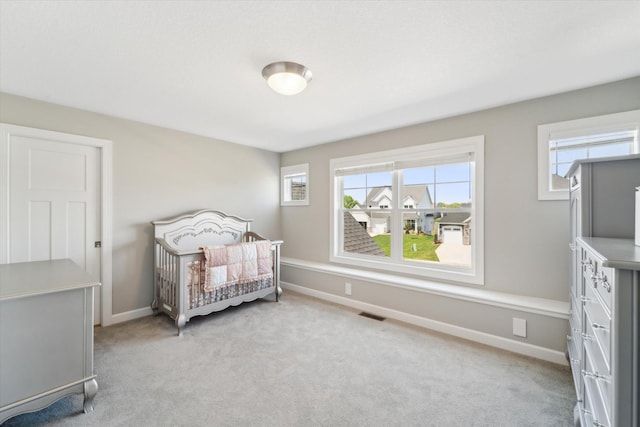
131	315
430	154
107	234
573	128
457	331
295	170
534	305
106	203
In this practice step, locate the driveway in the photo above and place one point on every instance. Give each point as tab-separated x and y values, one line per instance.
454	254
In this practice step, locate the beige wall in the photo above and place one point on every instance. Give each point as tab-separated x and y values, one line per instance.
526	240
159	173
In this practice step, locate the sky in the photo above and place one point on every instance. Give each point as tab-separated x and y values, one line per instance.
447	183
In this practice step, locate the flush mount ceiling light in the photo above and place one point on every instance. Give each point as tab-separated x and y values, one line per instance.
287	78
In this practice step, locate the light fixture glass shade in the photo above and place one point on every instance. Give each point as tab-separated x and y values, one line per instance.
287	78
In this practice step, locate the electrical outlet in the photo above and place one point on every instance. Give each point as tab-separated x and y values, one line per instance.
519	327
347	288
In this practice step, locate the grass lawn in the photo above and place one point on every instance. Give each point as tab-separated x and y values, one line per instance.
426	248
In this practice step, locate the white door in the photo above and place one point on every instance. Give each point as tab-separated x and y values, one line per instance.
54	203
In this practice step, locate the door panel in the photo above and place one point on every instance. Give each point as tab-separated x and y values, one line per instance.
54	203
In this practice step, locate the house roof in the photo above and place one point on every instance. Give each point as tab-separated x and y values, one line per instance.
455	218
356	238
416	192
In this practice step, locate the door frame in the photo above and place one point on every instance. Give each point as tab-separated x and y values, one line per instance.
105	149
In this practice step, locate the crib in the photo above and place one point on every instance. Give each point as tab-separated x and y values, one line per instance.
182	288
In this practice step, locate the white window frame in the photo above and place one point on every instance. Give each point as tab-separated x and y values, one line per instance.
575	128
287	172
473	274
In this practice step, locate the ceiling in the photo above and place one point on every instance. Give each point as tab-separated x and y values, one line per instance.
196	66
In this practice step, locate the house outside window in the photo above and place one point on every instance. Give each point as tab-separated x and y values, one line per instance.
418	210
294	185
560	144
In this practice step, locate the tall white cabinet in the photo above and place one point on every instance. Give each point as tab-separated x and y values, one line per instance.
604	340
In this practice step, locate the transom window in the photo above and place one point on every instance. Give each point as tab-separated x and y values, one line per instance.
560	144
416	210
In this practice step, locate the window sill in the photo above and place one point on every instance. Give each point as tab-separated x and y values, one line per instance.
541	306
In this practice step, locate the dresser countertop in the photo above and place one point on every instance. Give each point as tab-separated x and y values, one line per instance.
25	279
615	253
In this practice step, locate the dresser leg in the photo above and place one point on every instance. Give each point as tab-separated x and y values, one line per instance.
90	390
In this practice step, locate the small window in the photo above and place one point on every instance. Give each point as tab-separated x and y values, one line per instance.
294	185
560	144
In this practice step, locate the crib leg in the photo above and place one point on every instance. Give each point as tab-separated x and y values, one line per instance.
278	293
154	306
181	321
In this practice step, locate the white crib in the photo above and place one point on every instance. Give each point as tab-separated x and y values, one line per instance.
179	265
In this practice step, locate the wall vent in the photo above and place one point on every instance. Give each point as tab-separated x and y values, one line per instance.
371	316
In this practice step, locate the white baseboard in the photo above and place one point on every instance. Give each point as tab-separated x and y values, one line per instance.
130	315
469	334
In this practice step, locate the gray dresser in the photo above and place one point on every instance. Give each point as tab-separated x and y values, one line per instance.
605	292
46	335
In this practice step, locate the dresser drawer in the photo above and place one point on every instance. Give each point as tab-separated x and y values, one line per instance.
592	346
603	281
597	277
575	364
597	394
597	326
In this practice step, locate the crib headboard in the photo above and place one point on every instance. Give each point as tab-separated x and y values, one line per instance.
203	228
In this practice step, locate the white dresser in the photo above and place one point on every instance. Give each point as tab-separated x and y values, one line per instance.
605	292
46	335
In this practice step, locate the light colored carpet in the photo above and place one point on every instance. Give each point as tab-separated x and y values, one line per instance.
303	362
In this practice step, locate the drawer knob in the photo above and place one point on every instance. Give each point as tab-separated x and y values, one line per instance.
596	376
599	326
587	337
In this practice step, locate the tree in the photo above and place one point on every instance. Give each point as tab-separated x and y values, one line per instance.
350	202
449	205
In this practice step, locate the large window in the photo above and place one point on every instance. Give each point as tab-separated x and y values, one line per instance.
560	144
416	210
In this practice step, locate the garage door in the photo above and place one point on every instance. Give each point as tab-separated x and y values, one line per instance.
452	234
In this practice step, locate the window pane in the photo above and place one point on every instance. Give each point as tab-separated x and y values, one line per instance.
562	169
353	181
453	195
418	176
367	233
297	186
354	198
563	156
610	150
379	179
442	238
455	172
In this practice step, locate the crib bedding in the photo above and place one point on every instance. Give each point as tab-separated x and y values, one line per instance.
240	263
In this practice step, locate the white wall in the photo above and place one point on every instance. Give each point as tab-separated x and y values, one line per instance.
526	240
160	173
